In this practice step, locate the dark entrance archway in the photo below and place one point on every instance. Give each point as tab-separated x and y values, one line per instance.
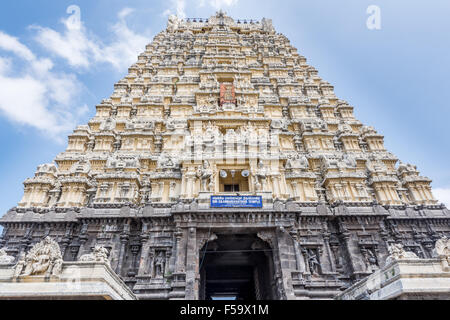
237	266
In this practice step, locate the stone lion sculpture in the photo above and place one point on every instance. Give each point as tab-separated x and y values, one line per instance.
397	252
99	254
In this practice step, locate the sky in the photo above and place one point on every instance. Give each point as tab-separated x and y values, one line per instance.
54	70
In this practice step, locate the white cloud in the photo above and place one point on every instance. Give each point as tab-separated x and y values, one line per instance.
81	48
178	7
9	43
32	94
221	4
443	195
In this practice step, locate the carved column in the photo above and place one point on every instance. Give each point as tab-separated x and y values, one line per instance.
180	251
192	257
124	237
326	239
298	255
83	237
144	261
345	236
133	267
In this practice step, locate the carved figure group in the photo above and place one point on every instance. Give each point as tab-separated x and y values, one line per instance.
43	259
397	252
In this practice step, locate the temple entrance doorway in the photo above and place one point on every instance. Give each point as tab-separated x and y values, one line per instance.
237	267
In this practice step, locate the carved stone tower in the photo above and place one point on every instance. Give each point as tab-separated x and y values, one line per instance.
224	166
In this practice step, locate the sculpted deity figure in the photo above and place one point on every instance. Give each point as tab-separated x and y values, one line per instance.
230	136
107	125
159	265
313	262
5	258
210	133
442	249
205	174
212	101
347	161
261	176
173	23
370	259
21	263
165	162
397	252
297	163
44	258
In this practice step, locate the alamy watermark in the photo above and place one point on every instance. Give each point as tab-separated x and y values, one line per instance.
73	22
374	20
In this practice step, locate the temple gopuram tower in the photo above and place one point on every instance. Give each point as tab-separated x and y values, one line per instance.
223	166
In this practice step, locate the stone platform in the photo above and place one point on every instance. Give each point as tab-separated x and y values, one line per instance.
77	281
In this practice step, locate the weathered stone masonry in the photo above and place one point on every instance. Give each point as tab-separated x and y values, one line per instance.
218	107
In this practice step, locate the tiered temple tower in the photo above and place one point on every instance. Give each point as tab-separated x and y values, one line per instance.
223	165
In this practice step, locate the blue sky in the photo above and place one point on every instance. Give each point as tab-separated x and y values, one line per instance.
52	76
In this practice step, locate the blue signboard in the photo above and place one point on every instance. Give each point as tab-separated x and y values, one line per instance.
236	202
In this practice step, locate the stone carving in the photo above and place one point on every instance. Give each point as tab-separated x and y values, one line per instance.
313	261
99	254
166	162
267	25
159	264
297	163
43	259
205	174
173	23
261	176
442	249
397	252
347	161
370	259
21	263
108	125
4	258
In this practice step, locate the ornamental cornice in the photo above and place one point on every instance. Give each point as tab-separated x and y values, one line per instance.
77	180
301	175
39	180
119	175
344	175
380	179
164	175
415	179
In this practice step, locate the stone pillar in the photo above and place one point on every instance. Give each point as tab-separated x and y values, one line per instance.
172	261
284	250
345	235
180	251
294	186
124	237
144	261
326	239
298	255
192	255
183	193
